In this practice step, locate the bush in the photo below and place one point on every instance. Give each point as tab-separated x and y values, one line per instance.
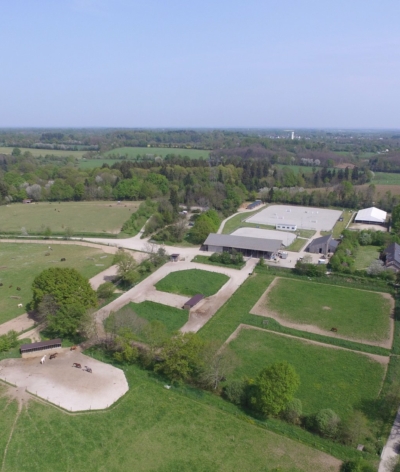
8	341
327	423
234	392
105	290
293	411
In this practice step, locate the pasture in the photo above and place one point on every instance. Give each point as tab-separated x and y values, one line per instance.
357	314
133	152
365	255
386	178
192	281
329	378
173	318
21	263
147	430
44	152
82	217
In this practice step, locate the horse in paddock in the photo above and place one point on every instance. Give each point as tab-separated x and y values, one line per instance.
78	366
43	359
87	369
72	348
334	330
53	356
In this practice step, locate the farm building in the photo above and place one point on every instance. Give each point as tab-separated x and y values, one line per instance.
175	257
373	216
248	246
41	346
323	245
254	204
193	301
286	226
392	257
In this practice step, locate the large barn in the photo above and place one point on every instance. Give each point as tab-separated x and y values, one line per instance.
371	216
250	247
322	245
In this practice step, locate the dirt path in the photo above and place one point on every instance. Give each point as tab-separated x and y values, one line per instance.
390	451
383	360
260	309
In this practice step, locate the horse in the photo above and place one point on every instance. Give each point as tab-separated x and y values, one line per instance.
334	330
53	356
72	348
43	359
87	369
78	366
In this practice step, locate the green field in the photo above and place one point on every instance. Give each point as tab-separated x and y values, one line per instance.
82	217
365	255
329	378
21	263
386	178
133	152
44	152
149	429
193	281
92	163
206	260
357	314
172	318
297	245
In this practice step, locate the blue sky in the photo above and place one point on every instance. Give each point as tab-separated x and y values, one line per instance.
220	63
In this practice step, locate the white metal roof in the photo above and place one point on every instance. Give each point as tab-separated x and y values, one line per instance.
372	214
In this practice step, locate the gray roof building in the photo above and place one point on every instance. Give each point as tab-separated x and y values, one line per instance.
255	247
322	245
392	256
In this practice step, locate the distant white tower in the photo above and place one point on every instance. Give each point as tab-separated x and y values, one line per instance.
292	135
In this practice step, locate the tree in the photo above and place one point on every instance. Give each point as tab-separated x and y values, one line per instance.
106	290
375	268
327	423
217	364
396	218
67	286
293	411
354	429
181	357
274	388
126	267
68	320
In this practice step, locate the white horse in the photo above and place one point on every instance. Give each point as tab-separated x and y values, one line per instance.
43	359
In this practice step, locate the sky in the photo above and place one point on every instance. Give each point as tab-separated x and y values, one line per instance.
191	63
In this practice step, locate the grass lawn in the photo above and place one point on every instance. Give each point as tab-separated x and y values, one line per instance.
386	178
192	281
237	221
44	152
297	245
150	429
365	255
356	314
21	263
133	152
341	225
173	318
206	260
82	217
329	378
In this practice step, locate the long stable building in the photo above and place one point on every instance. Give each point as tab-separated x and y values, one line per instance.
41	346
250	247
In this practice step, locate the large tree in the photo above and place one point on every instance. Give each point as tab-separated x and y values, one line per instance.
274	388
67	287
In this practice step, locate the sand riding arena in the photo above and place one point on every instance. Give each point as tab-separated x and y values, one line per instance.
71	388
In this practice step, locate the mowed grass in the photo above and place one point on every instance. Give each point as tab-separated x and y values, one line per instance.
173	318
365	255
330	378
386	178
191	282
357	314
21	263
44	152
133	152
238	221
150	429
82	217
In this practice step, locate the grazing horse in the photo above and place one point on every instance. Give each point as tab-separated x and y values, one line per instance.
334	330
53	356
78	366
43	359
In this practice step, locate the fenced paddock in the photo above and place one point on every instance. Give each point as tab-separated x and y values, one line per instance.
318	219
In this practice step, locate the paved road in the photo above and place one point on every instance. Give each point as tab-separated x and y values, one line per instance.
391	450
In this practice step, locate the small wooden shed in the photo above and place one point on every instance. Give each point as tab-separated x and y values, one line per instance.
193	301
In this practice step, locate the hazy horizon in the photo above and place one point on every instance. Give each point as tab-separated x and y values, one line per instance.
200	65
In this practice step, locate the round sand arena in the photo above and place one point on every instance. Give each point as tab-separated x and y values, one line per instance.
73	389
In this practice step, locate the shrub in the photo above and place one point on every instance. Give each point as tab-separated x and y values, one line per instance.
105	290
234	391
293	411
327	423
